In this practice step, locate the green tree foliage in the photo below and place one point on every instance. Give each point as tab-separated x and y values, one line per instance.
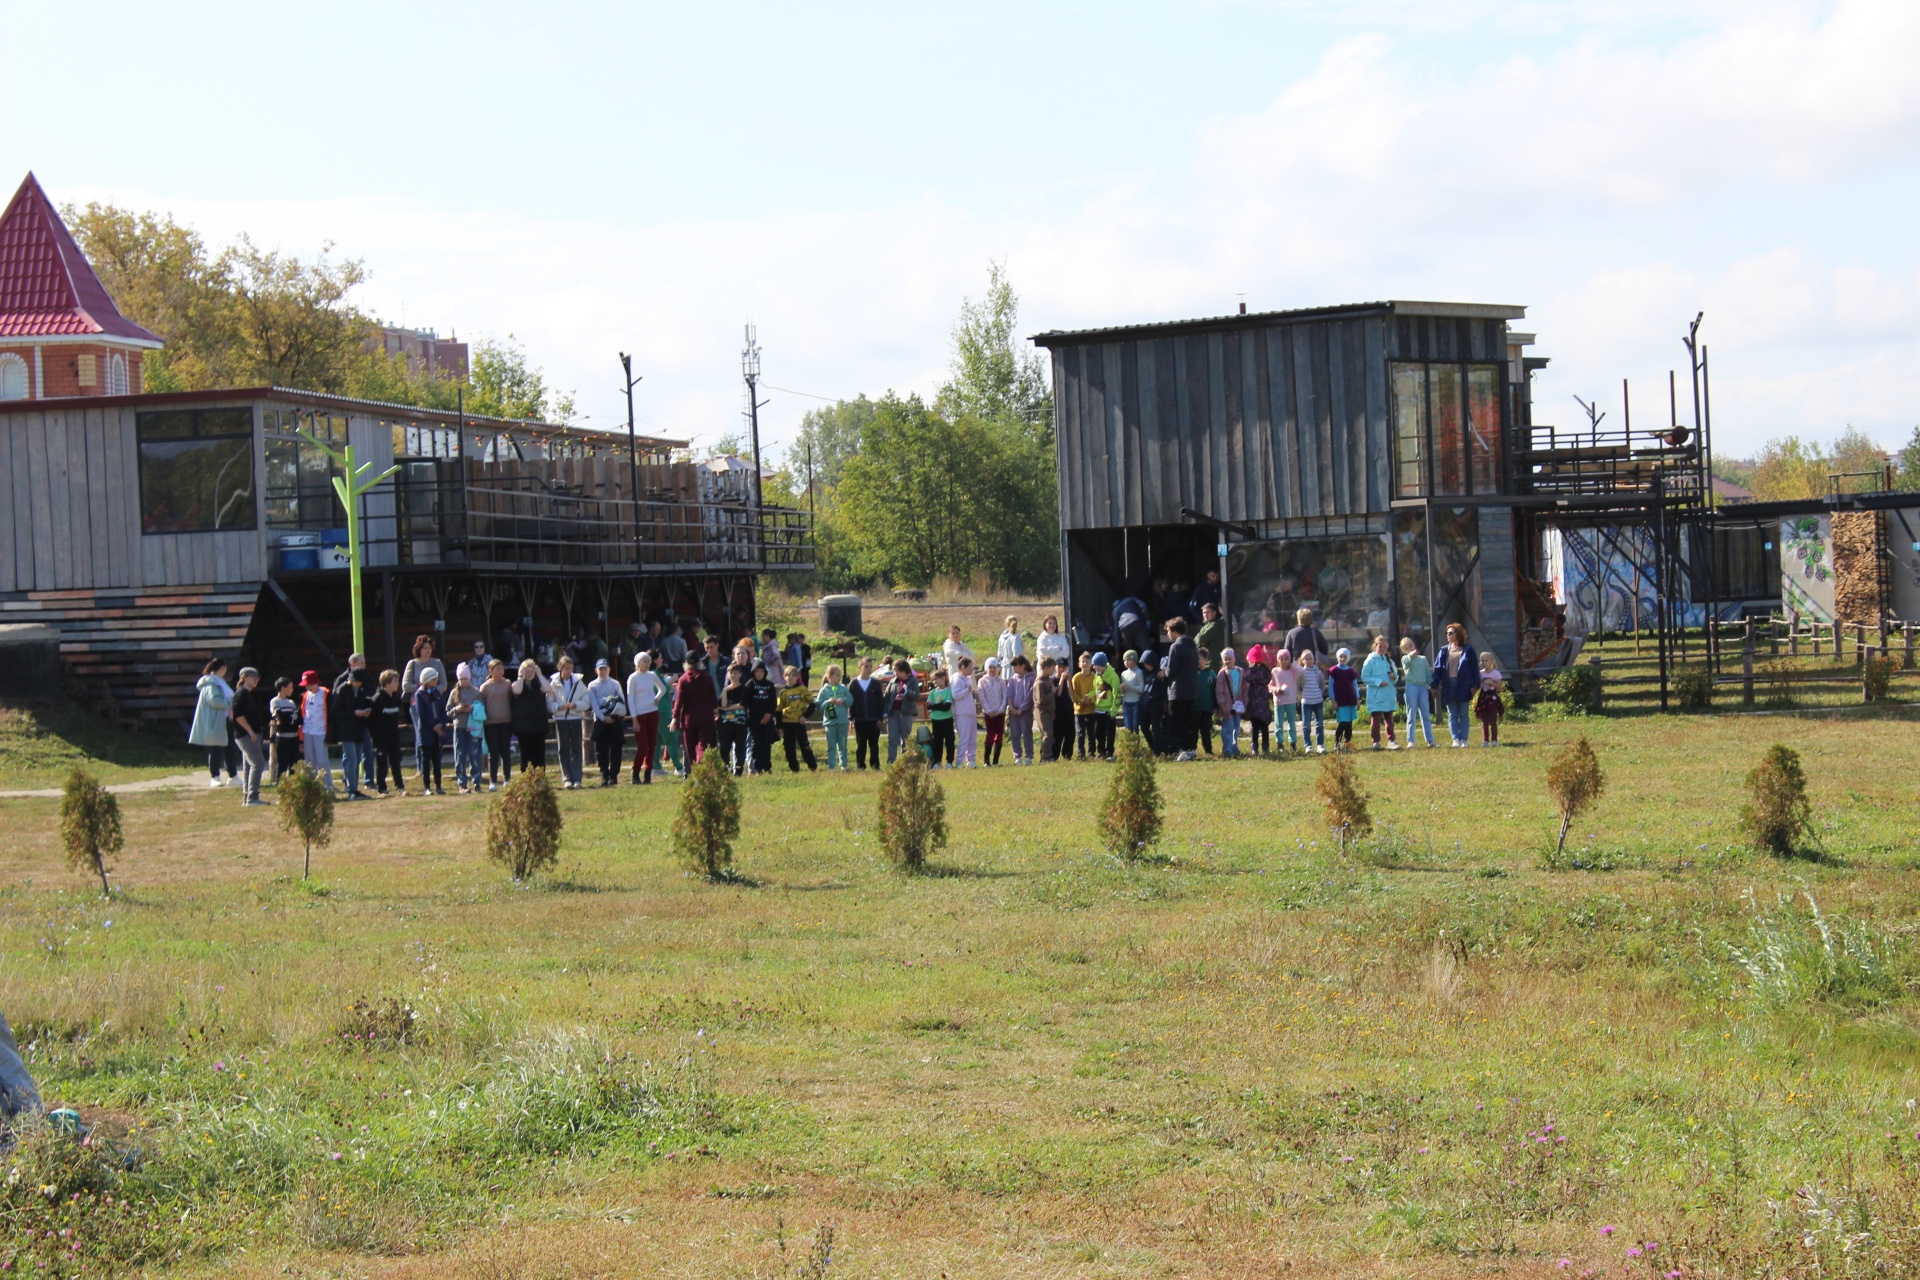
306	810
1575	781
523	825
1338	787
1908	460
503	383
1130	819
828	438
964	487
1778	814
912	812
996	378
247	316
1791	468
90	825
709	819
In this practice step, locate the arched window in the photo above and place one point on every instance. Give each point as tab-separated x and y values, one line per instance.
117	375
13	377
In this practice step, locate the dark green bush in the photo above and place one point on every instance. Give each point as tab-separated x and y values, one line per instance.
90	825
1130	819
1575	689
523	825
913	812
709	818
1693	688
1778	815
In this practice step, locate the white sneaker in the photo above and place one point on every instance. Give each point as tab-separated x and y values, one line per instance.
216	783
1393	746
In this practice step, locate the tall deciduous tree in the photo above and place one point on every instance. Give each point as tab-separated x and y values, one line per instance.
248	316
964	487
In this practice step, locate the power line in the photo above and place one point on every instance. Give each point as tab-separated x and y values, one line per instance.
808	394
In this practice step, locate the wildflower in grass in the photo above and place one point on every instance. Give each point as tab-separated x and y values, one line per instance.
1634	1252
1606	1231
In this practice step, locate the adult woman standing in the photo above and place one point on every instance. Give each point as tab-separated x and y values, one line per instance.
1051	644
496	695
567	699
423	660
531	714
645	691
954	651
694	704
214	700
1458	680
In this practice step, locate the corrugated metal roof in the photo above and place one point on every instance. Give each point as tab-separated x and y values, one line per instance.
1464	310
47	286
324	400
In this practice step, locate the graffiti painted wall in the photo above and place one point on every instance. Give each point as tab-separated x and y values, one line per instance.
1606	579
1806	568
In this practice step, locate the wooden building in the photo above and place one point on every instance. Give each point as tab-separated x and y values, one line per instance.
1356	460
155	530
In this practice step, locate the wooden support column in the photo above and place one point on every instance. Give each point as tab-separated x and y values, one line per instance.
1746	667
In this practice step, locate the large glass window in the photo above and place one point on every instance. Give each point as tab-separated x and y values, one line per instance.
1446	423
1483	427
196	470
1343	580
1410	429
1449	430
299	476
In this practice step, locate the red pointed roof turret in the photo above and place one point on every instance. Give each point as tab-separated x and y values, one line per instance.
47	286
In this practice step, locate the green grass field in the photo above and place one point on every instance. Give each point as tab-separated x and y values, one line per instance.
1258	1056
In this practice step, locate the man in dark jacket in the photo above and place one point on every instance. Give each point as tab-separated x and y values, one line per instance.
347	714
1306	638
1213	633
253	732
868	708
1183	685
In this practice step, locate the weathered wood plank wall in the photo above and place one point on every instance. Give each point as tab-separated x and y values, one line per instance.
1271	420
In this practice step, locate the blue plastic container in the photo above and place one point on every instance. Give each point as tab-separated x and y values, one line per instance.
299	552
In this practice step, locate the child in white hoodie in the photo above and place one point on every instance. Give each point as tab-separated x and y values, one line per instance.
992	695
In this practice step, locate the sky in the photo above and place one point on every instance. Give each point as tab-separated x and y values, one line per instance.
592	179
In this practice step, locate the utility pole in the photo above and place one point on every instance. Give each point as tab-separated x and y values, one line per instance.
750	370
633	455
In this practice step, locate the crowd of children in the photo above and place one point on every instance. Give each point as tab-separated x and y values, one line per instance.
679	700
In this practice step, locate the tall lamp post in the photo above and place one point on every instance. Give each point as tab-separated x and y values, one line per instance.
633	454
350	486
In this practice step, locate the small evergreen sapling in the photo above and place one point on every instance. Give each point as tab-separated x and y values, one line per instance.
913	812
709	818
523	825
1779	814
90	825
1339	787
1575	781
1130	819
306	810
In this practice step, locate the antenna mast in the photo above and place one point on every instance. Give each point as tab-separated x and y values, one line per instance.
750	372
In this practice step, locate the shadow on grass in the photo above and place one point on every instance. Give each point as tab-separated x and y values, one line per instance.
943	871
734	878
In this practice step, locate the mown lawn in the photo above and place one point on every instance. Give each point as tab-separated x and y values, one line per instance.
1258	1057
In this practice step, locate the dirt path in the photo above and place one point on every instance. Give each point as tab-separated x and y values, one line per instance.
119	789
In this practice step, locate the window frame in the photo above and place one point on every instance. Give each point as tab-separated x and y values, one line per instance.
198	429
1426	438
12	360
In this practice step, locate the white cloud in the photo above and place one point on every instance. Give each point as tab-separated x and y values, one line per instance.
1586	178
